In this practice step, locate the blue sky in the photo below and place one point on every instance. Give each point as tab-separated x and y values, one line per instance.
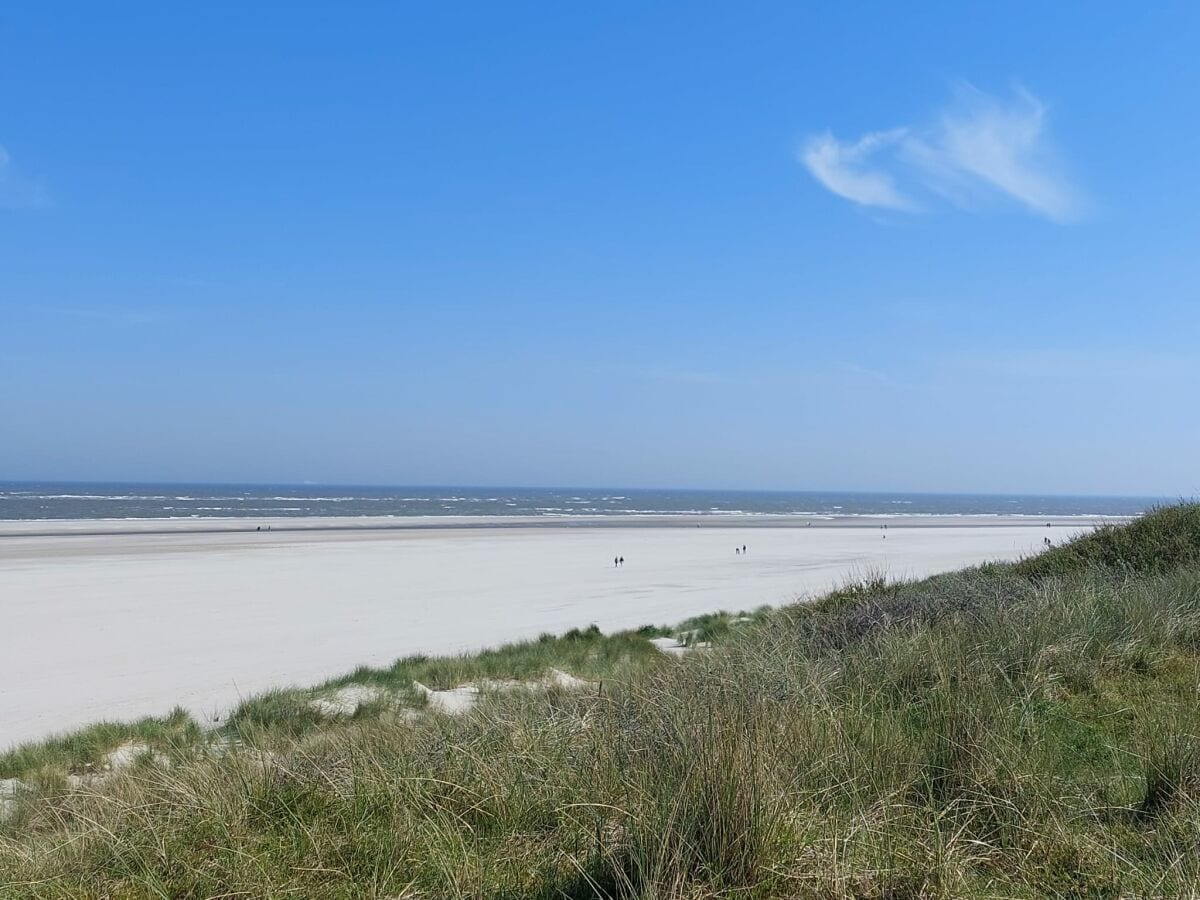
951	248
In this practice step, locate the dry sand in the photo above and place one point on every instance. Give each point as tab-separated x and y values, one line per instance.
100	621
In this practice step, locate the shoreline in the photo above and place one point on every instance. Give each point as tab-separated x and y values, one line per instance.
46	528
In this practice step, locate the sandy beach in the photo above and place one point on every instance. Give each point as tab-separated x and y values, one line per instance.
116	620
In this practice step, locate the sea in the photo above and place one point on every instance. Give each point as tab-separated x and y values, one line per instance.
79	500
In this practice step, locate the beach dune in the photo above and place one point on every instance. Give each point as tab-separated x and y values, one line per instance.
101	623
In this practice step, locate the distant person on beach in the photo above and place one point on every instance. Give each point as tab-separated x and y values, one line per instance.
743	549
622	560
616	561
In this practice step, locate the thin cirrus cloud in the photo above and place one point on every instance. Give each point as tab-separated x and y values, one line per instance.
979	149
17	191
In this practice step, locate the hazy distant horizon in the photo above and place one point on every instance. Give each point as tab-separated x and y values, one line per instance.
468	485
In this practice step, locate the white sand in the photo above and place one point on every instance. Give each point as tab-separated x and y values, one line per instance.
119	625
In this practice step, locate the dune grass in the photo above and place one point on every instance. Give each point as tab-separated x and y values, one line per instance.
85	750
1026	730
1162	541
583	652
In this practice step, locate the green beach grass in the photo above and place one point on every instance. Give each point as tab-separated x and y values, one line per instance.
1013	730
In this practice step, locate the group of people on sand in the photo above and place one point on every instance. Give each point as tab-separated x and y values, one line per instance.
618	561
738	551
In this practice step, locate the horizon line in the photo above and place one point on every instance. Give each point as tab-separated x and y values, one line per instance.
576	487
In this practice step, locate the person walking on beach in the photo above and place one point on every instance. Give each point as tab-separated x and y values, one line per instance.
616	561
622	560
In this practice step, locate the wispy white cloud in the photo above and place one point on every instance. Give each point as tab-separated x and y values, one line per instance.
978	150
16	190
843	168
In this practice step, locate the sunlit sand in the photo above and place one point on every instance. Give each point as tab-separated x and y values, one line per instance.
118	625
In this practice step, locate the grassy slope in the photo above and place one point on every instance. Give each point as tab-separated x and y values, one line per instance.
1022	730
585	653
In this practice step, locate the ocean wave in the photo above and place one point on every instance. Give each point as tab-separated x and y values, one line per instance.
97	501
89	497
